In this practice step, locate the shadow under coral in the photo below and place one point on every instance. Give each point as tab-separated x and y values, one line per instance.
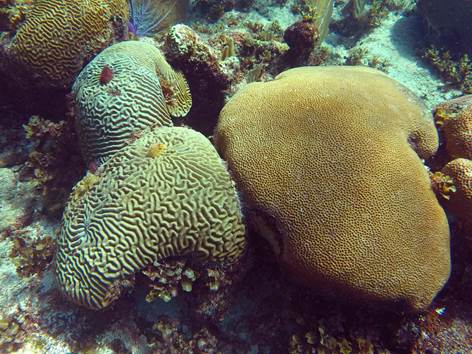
270	313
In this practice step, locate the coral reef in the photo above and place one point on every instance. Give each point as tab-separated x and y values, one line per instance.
11	335
205	73
317	12
212	10
359	56
456	72
314	193
144	208
301	38
168	336
207	287
359	17
125	89
199	305
168	279
13	147
11	14
18	201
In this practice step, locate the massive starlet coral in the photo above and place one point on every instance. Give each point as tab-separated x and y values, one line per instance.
329	162
460	201
167	194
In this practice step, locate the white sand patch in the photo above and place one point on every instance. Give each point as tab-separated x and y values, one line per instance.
399	40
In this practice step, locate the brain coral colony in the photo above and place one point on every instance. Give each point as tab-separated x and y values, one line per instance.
233	185
166	195
126	88
55	34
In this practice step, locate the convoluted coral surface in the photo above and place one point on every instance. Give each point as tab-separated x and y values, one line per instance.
119	94
167	194
58	37
329	161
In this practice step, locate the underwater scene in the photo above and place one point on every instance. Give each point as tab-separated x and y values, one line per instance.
236	176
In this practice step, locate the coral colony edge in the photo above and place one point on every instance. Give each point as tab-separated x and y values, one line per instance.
235	176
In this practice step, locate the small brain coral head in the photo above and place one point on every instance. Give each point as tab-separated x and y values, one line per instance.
57	37
167	194
120	93
329	162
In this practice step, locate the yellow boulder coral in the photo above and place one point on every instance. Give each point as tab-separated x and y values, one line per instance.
460	202
57	37
329	162
457	126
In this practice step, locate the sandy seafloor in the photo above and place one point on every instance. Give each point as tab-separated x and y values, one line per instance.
51	325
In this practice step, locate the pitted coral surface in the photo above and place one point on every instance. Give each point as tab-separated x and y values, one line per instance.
329	160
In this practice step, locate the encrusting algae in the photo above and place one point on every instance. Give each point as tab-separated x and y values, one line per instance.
156	150
84	186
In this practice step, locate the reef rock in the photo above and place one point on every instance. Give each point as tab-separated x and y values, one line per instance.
329	161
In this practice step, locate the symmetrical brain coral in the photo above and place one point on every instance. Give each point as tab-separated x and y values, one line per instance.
125	89
57	37
329	162
167	194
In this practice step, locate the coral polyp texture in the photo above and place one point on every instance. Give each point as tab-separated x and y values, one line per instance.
125	89
58	37
329	161
167	194
460	202
455	120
